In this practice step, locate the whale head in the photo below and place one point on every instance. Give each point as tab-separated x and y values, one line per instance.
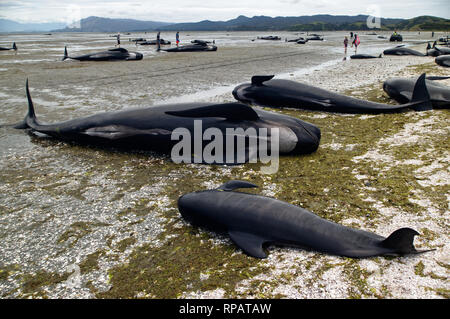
195	208
393	87
295	136
135	56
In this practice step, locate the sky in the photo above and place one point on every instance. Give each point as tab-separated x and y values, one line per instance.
216	10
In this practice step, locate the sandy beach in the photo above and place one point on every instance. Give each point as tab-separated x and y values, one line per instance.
81	222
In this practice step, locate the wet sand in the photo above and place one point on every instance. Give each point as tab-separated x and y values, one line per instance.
81	222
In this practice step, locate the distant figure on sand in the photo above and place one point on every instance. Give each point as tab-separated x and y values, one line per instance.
158	40
356	42
118	39
177	38
351	34
345	45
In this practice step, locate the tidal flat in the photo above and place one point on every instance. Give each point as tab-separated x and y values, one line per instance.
86	222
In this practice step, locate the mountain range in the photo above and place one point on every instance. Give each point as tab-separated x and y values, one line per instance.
97	24
12	26
264	23
242	23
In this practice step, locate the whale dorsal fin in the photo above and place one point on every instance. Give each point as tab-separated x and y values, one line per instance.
249	243
259	79
234	184
119	50
230	111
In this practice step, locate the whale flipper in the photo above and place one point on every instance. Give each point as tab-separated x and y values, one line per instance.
249	243
116	132
319	102
259	79
234	184
230	111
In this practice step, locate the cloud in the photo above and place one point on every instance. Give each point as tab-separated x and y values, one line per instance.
195	10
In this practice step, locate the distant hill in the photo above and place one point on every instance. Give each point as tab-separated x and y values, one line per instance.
12	26
97	24
424	23
264	23
321	22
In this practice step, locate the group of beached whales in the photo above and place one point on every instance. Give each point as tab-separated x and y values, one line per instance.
253	221
441	53
123	54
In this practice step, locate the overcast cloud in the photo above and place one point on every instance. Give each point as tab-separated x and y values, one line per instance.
197	10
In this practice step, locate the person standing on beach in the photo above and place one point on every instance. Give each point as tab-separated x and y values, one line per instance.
345	44
351	34
118	39
158	41
177	38
356	42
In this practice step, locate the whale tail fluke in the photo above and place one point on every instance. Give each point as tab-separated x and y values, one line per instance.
66	56
420	100
30	115
401	242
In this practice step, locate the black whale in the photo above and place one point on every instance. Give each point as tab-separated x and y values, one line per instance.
270	92
110	55
401	90
151	128
253	221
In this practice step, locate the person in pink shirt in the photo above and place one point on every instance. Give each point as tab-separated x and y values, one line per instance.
356	42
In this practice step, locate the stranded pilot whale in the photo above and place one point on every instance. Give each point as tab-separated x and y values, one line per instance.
192	48
254	220
443	60
435	51
401	90
265	91
110	55
14	47
401	50
151	128
365	56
